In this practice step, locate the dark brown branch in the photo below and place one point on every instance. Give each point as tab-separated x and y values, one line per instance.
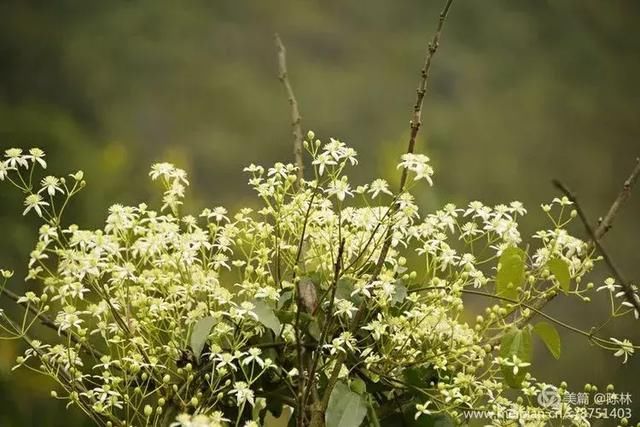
607	222
296	119
628	290
597	234
416	121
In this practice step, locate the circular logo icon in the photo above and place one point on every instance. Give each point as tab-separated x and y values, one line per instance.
549	397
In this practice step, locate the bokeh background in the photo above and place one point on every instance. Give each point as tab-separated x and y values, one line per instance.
521	92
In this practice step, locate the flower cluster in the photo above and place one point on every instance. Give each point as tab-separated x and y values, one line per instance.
329	290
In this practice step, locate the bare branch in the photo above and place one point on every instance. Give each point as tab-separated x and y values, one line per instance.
628	290
607	222
416	120
296	119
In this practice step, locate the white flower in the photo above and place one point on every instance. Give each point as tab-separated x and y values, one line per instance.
323	160
346	307
516	363
418	164
379	186
35	202
340	188
4	170
243	393
626	349
421	409
37	155
609	284
15	158
254	354
50	184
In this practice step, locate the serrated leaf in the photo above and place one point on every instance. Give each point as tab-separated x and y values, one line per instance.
516	342
549	336
560	271
200	333
266	316
510	274
346	408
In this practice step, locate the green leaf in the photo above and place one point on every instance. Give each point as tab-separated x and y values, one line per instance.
358	386
285	297
344	288
200	334
346	408
510	272
282	421
419	378
516	342
314	329
266	316
560	271
549	336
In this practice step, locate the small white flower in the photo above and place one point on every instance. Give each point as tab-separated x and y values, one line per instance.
37	155
418	164
15	158
626	349
421	409
4	170
50	184
516	363
243	393
340	188
322	161
254	354
35	202
379	186
609	284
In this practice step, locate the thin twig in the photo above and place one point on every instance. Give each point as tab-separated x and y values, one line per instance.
48	322
628	290
416	122
607	222
329	318
296	119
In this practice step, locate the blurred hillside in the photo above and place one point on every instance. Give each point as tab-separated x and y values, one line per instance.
521	92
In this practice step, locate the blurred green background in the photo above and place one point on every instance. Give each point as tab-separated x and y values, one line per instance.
521	92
